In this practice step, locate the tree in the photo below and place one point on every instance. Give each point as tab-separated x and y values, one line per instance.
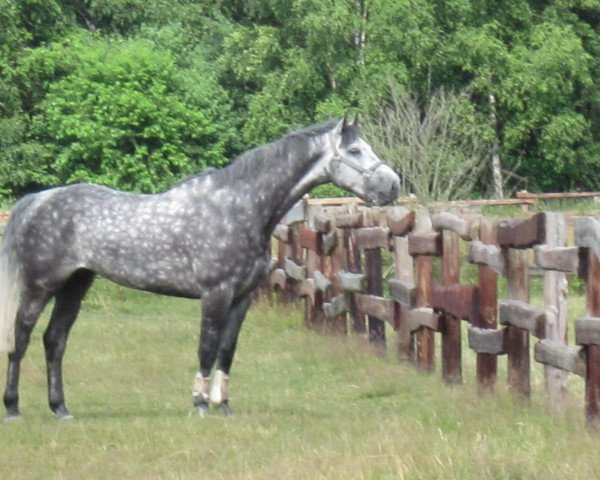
122	114
436	148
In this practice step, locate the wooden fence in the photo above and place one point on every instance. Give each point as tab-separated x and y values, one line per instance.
334	257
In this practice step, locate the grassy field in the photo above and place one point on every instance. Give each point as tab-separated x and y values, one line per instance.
306	407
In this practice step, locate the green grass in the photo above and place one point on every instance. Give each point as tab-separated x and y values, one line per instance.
306	407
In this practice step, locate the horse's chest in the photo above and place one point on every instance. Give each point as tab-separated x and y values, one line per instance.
240	265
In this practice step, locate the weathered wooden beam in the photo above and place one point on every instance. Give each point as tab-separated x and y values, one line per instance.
517	339
278	279
307	289
587	233
554	255
427	243
560	259
350	219
379	307
400	221
424	317
295	271
489	255
522	233
451	309
352	282
424	337
322	283
273	264
374	237
523	315
587	331
374	271
560	356
294	214
330	242
322	222
337	306
403	293
282	232
404	277
487	340
466	229
487	318
309	239
457	300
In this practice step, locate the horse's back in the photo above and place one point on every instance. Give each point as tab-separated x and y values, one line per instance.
179	242
45	229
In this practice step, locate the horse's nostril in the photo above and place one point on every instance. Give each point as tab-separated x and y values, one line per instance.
395	188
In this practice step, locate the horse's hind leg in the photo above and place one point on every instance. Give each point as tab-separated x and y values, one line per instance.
32	304
66	308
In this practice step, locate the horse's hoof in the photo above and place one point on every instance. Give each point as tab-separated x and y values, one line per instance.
202	409
225	409
12	417
63	414
64	417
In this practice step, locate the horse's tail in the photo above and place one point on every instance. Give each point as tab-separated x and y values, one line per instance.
10	292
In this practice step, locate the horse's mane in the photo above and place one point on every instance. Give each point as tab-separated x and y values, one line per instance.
295	143
261	157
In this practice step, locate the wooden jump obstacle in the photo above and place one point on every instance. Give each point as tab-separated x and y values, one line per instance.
333	257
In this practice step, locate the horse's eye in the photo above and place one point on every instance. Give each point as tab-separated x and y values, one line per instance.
354	151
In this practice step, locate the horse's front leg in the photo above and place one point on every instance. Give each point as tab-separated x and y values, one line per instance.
215	310
219	393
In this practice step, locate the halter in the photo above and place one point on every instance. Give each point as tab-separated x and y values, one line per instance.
364	171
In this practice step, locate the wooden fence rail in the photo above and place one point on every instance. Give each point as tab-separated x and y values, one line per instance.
335	256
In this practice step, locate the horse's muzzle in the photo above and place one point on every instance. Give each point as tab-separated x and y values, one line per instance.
382	186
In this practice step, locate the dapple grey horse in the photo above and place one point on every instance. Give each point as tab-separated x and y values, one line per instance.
207	238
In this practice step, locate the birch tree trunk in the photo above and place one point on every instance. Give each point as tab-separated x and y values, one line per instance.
496	168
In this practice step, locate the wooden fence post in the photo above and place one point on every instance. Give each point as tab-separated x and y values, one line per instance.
423	244
349	222
515	236
354	265
555	299
425	338
487	363
372	239
587	331
517	346
338	263
402	288
322	225
374	268
592	384
451	328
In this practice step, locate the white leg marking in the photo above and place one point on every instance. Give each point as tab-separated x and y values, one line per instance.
201	386
219	391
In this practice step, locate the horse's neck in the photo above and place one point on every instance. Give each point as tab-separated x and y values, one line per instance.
290	185
278	184
268	182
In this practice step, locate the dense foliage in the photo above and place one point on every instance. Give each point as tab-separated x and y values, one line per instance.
139	93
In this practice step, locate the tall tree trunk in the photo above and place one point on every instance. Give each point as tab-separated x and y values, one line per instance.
496	168
360	36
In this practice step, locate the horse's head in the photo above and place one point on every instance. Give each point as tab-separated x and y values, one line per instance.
354	166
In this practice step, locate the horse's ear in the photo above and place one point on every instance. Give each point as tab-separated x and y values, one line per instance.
342	126
345	122
355	121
